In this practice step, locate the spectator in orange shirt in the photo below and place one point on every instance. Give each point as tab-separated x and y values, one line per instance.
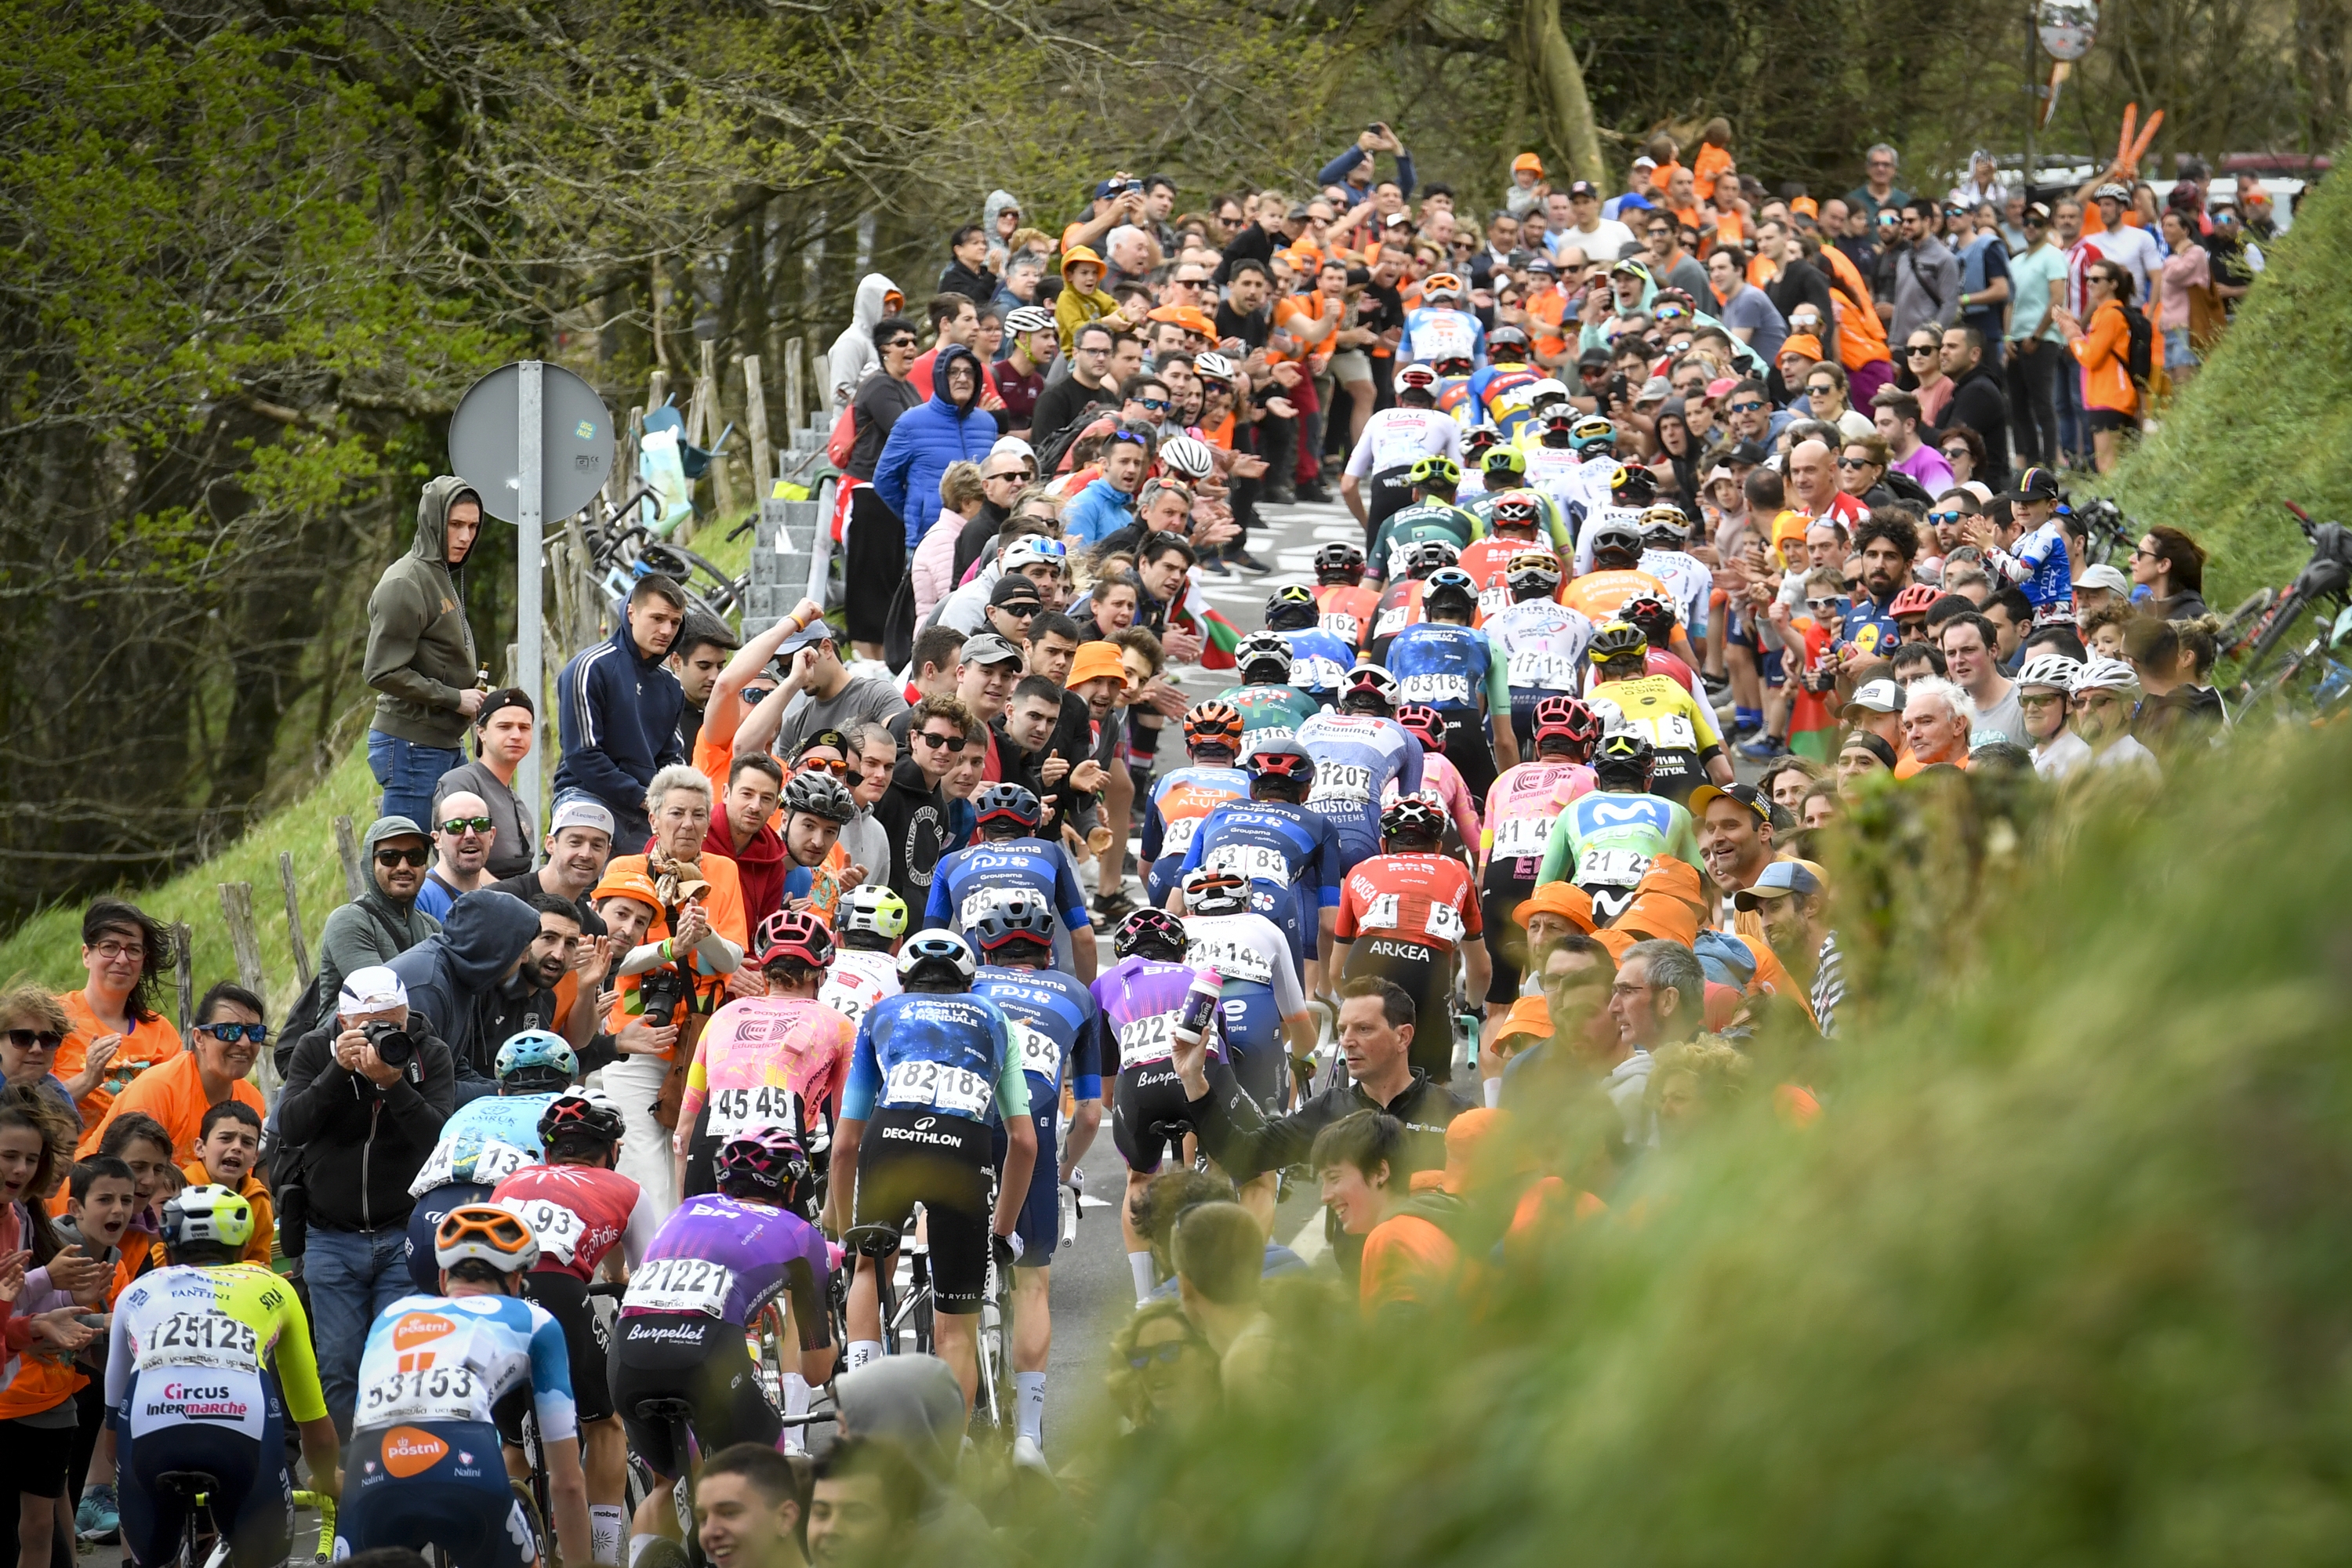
113	1032
1357	1160
2109	399
228	1036
227	1149
1714	158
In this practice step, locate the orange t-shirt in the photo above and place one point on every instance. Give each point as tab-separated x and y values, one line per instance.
147	1044
174	1094
265	1214
1711	160
1306	307
1548	309
1661	174
1406	1259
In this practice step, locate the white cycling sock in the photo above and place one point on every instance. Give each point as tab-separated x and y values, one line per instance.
607	1523
1029	1389
796	1402
1139	1264
862	1351
638	1544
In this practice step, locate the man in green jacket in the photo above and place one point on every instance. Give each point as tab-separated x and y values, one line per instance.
420	654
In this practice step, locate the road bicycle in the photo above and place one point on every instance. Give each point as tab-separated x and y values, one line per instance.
2309	679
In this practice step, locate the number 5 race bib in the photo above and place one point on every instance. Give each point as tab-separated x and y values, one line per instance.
737	1111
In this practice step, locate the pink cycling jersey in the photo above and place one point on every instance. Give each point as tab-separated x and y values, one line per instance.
1441	781
758	1050
1520	811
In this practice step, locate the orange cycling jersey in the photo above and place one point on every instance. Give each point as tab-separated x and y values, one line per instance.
1425	898
1599	595
1347	611
1489	559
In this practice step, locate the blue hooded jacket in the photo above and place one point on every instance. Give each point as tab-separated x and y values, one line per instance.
449	977
926	440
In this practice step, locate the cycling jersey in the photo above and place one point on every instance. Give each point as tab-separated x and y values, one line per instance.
1680	727
1406	915
765	1061
195	1346
1454	401
1586	496
970	882
436	1359
1139	998
1688	586
1292	853
1542	645
1319	662
1496	392
1489	562
1347	610
1520	812
1607	840
1056	1026
1450	667
2040	568
1557	473
857	980
1180	802
1400	607
511	1119
1357	756
1441	781
441	1186
1400	438
1260	989
725	1261
1599	595
578	1214
943	1052
1400	531
1435	334
1270	712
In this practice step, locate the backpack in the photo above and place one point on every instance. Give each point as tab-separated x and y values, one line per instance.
2140	353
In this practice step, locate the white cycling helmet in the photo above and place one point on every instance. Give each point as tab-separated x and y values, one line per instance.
2053	671
1029	318
1539	391
937	946
1187	458
1214	365
2108	675
1420	375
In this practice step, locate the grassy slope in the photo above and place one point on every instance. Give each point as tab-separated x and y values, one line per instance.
2270	419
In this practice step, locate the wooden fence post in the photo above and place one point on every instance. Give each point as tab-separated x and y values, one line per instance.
294	937
755	418
355	871
237	908
796	390
183	942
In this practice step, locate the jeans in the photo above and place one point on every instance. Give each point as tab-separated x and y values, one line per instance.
2033	403
2074	428
408	773
353	1276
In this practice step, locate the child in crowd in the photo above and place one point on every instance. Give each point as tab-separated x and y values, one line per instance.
228	1146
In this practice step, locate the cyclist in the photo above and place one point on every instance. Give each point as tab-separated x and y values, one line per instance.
1441	334
933	1064
815	807
486	1139
1520	811
1140	996
1356	753
1654	619
1459	669
438	1371
1514	528
1664	533
1570	460
1181	800
1262	1005
1610	835
1393	440
1679	726
714	1267
1432	515
1010	862
1406	915
1502	469
1056	1026
205	1359
1401	603
579	1209
1503	384
864	966
1291	852
1319	661
773	1060
1270	707
1345	606
1440	780
1542	641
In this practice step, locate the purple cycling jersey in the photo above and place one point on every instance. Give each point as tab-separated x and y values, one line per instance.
727	1260
1140	998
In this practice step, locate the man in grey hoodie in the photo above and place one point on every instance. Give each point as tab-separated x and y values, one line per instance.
420	653
1927	277
373	929
853	354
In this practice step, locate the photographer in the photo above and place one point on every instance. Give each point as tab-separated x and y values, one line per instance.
363	1103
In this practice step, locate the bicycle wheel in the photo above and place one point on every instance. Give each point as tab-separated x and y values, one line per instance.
2239	628
921	1290
536	1519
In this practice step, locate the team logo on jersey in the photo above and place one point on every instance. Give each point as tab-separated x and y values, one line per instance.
410	1450
1604	813
926	1121
421	1328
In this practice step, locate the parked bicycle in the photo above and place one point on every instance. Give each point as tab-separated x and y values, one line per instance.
2323	587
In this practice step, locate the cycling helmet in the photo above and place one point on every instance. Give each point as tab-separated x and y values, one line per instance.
537	1049
1213	724
2106	675
1452	586
487	1234
1619	639
1262	648
1441	285
1478	441
933	949
1503	338
1625	754
1212	891
766	1162
2053	671
1515	509
1652	616
1282	758
1664	527
1024	319
819	794
1188	457
1005	802
1293	601
208	1212
1618	535
793	934
1549	389
1424	723
1416	376
1505	460
874	907
1532	574
582	1110
1423	556
1633	486
1149	933
1014	917
1339	563
1413	814
1914	600
1214	365
1591	432
1370	680
1435	470
1567	716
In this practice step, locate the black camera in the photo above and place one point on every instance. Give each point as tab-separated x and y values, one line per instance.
392	1045
660	993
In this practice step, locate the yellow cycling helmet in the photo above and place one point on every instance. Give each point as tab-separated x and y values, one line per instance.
208	1212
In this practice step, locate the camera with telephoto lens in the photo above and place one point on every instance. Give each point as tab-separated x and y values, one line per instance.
393	1046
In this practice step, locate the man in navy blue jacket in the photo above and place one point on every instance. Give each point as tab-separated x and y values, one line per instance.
617	710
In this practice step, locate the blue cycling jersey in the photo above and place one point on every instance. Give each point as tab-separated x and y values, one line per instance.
1435	332
928	1050
432	1357
970	882
1271	841
1063	1027
1319	662
1450	667
507	1118
1357	757
2049	581
1180	802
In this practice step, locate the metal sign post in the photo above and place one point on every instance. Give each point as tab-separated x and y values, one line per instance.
529	413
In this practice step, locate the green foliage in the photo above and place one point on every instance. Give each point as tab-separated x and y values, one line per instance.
2267	420
2057	1276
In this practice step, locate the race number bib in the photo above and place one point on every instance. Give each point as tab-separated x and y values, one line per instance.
845	1000
494	1163
734	1112
1276	731
1448	337
1670	731
202	1339
1318	674
1542	669
1494	597
557	1230
1036	1051
1234	959
1612	867
982	902
1341	781
1152	1039
1341	624
940	1086
1444	922
1176	836
681	1284
422	1391
1521	838
1249	861
1438	689
1392	619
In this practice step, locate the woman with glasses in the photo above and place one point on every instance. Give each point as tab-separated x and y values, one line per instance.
32	1028
1862	471
223	1044
1922	375
1964	449
2110	398
113	1030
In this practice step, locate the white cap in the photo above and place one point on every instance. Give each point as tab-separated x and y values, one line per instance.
1880	696
1014	443
579	811
2103	576
370	990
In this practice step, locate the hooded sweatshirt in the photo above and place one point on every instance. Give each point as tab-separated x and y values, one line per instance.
852	353
374	928
450	976
420	650
926	440
616	715
761	865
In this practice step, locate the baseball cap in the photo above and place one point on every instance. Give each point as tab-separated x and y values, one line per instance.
1397	220
504	697
1570	903
1630	264
627	884
987	647
1804	206
1657	389
1720	386
2037	212
1747	452
1542	264
1528	1016
1634	198
1645	161
1594	355
808	635
1014	443
1012	590
1298	213
1880	696
370	990
2103	576
1096	660
1582	189
1751	796
579	811
2038	483
1778	881
1874	744
1527	161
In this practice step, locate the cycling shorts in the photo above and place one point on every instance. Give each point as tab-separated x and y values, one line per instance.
929	1157
1506	943
251	1490
1426	973
1253	1044
1039	1226
698	1359
1148	1097
565	1296
426	1218
439	1483
1386	493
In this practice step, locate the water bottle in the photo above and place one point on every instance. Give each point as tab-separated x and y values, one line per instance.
1200	1006
1070	1208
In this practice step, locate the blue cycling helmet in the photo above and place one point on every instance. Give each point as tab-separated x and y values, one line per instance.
538	1048
1007	801
1012	919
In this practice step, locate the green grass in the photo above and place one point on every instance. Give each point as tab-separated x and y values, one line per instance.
2268	420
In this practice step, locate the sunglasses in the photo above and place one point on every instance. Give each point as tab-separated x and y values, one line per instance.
898	343
1856	463
833	766
1916	350
1023	611
1822	389
457	824
1749	408
1954	454
1852	583
1168	1354
952	742
752	695
1135	436
403	856
1820	606
1153	405
1670	313
33	1039
1951	517
229	1034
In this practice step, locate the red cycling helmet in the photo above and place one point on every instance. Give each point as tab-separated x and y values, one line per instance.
1516	509
793	934
1569	717
1914	600
1424	723
1414	814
